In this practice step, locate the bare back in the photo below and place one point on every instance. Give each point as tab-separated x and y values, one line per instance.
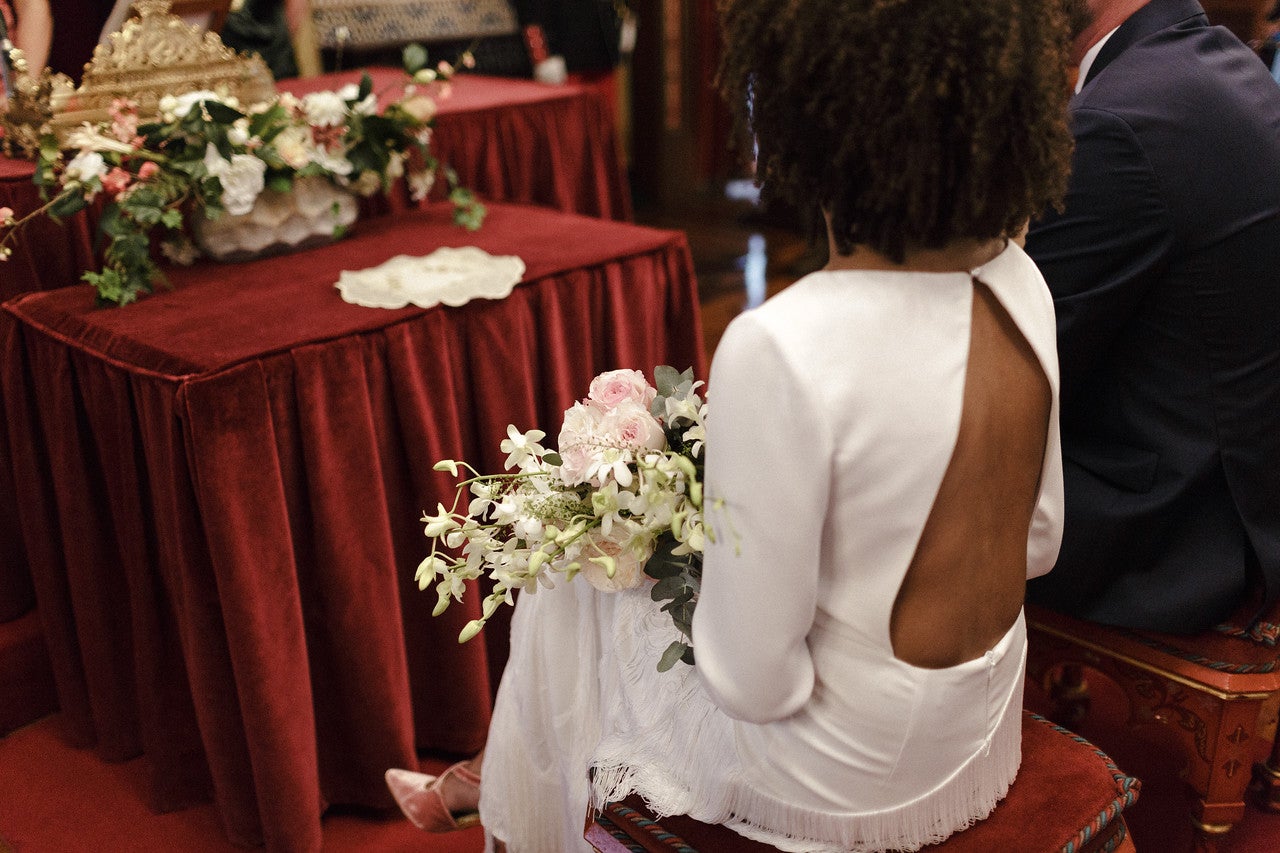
966	582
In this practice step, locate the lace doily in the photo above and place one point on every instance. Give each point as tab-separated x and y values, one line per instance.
448	275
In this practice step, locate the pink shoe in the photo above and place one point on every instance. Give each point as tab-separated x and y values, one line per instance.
418	795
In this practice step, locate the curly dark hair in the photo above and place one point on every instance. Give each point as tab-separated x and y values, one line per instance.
911	122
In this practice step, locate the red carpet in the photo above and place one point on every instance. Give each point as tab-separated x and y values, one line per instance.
54	799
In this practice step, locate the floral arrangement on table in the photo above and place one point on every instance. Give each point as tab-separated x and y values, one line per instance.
207	154
620	502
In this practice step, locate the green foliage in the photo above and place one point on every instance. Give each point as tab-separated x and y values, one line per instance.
415	58
152	175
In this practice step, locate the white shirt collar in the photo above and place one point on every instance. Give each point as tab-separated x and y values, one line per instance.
1087	62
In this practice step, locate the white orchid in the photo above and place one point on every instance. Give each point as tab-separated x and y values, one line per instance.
520	446
599	507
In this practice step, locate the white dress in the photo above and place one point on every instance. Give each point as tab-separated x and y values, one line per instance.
798	726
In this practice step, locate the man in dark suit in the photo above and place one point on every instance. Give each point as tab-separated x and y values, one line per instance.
1165	272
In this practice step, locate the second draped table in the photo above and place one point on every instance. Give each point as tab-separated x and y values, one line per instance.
515	140
221	488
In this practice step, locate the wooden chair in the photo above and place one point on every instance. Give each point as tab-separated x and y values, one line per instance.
1217	692
1068	798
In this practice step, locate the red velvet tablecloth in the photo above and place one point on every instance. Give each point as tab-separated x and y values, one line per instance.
47	254
221	485
516	140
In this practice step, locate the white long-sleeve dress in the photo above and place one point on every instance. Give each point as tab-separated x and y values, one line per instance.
835	408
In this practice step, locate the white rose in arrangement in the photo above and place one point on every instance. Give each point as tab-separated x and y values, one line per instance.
85	166
293	144
324	109
243	178
331	161
182	104
579	443
238	133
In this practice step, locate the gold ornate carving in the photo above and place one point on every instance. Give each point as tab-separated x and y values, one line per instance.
29	109
153	55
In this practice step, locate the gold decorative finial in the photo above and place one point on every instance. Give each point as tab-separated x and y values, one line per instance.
153	55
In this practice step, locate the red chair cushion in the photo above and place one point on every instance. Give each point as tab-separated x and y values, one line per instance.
1067	795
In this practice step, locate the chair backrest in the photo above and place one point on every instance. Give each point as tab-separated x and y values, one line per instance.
383	23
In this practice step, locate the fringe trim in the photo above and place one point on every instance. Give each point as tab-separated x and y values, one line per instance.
716	790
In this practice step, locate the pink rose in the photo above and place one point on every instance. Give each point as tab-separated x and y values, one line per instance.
614	386
629	425
147	170
628	567
116	181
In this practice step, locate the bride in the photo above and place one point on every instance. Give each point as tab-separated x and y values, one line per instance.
883	444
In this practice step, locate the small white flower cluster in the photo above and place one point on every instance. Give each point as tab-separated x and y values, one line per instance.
625	479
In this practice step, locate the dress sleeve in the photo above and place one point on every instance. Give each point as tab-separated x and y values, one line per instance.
767	485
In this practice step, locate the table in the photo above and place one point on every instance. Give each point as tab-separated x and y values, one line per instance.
221	488
48	254
509	140
516	140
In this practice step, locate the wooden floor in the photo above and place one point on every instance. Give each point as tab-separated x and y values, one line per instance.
740	255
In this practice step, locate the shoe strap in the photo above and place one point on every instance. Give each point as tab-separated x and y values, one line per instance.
460	770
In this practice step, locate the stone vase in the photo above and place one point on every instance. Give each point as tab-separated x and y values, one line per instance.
315	212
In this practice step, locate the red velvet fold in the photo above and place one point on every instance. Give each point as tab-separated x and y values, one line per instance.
221	488
47	254
509	140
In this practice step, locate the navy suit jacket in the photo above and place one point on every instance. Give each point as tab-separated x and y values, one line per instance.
1165	272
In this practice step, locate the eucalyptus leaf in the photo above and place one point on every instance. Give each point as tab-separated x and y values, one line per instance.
221	113
667	588
552	458
66	204
674	653
414	57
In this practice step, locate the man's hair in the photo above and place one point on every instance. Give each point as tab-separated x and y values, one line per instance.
911	122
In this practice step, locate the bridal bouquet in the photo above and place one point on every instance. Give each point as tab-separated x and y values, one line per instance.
619	504
206	154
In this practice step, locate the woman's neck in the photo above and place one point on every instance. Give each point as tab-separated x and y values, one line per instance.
957	256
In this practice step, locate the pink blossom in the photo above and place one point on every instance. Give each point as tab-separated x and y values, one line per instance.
628	566
124	120
116	181
629	425
147	170
616	386
6	215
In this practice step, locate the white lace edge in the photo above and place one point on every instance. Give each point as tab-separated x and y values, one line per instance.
643	766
